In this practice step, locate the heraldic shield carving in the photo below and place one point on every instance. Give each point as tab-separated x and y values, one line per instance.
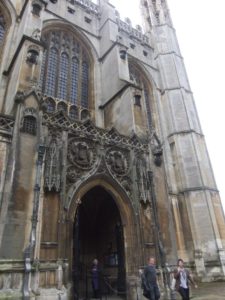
117	161
82	153
82	156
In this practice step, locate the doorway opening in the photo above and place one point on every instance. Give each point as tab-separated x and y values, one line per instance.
98	234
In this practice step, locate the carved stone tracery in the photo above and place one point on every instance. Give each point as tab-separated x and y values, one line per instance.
142	179
6	123
52	180
93	151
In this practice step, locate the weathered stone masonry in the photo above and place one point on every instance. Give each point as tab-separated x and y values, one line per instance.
101	151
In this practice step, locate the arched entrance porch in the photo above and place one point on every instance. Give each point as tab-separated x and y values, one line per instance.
103	225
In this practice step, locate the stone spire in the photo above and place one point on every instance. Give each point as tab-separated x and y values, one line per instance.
155	12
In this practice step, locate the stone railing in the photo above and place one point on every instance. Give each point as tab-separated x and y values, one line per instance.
132	32
87	4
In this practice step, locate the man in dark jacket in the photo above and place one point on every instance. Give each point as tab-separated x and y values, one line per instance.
151	280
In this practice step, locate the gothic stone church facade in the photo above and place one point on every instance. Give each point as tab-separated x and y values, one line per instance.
101	151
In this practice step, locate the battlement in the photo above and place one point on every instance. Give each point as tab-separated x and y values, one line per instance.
89	6
134	33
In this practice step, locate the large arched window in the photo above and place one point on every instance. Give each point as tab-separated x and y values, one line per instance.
65	72
136	75
4	24
2	29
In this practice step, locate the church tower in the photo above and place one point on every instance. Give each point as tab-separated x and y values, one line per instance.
194	198
102	152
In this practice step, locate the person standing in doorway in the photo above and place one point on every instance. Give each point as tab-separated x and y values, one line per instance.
95	279
183	277
151	280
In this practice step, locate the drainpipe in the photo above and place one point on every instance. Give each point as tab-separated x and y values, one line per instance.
29	251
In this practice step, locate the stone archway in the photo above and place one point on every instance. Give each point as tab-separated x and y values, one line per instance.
98	233
123	214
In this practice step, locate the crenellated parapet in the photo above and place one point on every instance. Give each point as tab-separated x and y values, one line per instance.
133	33
87	4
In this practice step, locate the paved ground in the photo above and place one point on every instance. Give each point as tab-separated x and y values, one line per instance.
209	291
205	291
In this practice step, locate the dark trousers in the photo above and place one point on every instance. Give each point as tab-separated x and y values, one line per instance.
184	293
154	292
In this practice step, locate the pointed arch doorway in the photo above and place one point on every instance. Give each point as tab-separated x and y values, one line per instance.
98	233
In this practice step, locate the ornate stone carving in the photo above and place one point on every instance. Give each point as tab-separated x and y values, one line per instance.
93	151
142	179
19	97
72	174
89	130
82	157
82	153
32	56
52	167
117	161
6	123
156	148
37	6
126	183
36	34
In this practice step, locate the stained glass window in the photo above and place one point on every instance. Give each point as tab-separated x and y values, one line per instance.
147	103
52	72
50	106
62	106
2	33
84	88
137	77
63	76
73	112
65	71
74	80
42	70
2	29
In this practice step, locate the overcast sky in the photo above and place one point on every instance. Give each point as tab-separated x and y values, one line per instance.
201	34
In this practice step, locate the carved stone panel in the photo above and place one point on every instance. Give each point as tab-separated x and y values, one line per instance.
142	179
82	156
117	161
82	153
52	180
